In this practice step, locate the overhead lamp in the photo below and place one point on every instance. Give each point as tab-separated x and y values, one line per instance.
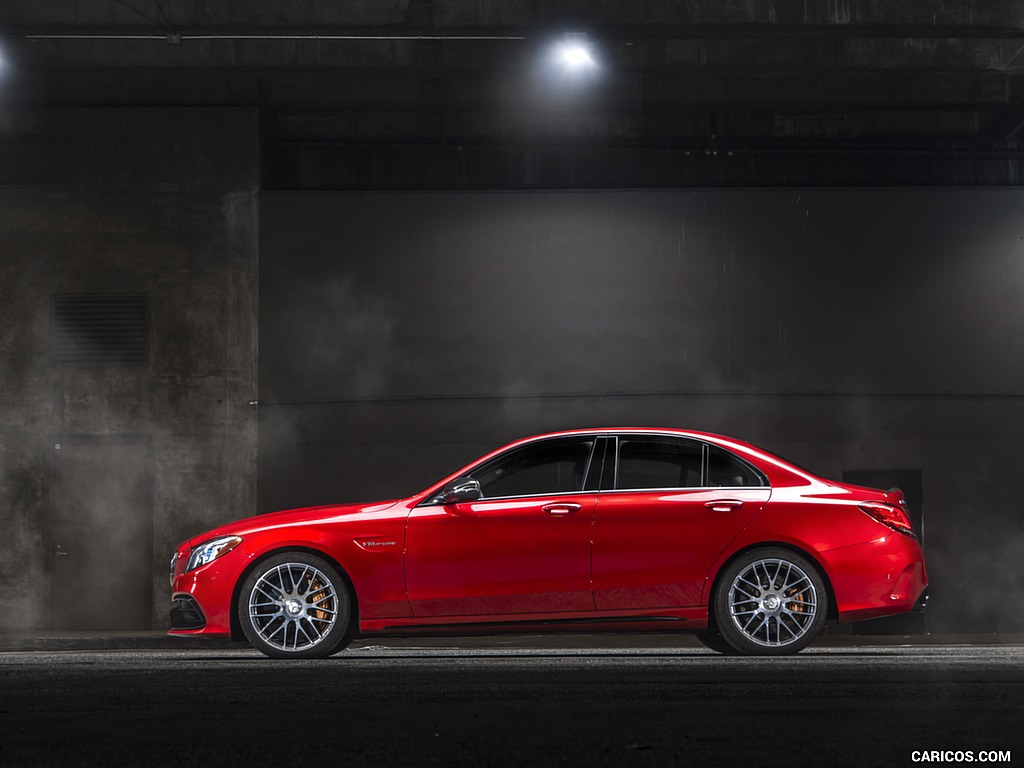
569	68
574	51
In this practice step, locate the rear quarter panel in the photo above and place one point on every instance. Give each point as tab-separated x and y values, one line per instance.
854	552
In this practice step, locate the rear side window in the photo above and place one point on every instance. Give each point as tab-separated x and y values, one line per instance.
728	471
553	466
655	462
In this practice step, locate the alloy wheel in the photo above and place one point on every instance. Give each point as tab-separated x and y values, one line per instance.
293	606
773	602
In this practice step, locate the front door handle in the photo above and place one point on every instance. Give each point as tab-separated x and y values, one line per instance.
724	505
561	508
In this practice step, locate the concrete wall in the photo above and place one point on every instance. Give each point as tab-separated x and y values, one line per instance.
157	201
402	334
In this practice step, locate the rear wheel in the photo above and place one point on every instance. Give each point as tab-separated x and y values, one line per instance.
770	602
295	606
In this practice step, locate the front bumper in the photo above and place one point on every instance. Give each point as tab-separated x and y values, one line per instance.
186	614
201	599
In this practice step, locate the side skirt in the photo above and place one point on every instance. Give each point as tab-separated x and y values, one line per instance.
674	620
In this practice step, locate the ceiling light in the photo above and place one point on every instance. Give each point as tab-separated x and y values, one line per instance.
574	51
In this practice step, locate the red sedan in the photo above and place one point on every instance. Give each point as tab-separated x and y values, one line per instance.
595	529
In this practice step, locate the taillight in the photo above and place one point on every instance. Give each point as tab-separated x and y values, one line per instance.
890	515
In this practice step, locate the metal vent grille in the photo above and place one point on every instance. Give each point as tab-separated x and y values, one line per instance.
99	328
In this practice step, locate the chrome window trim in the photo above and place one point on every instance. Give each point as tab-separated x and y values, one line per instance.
679	489
484	500
692	489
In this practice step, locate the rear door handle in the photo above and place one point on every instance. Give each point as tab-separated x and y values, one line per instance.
562	508
724	505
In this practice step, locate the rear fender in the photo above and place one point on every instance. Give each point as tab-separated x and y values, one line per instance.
711	583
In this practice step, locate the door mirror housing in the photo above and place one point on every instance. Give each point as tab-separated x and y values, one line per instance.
463	489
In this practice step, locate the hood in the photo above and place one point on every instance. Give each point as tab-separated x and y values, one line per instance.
256	523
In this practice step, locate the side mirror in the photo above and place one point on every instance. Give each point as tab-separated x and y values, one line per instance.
463	489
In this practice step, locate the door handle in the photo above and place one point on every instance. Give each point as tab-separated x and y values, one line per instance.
724	505
61	553
562	508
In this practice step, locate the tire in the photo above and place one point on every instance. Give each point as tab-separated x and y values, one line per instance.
296	606
713	640
770	602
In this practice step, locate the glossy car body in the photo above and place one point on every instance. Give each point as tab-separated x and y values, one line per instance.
603	528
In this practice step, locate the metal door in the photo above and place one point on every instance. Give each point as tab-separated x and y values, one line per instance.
100	537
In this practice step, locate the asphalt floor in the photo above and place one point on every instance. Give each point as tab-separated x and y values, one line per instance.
622	701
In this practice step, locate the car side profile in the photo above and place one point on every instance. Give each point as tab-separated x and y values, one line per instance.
652	529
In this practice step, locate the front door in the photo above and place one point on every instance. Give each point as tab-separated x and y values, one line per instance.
101	541
524	548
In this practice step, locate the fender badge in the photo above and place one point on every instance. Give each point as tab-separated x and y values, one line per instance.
376	544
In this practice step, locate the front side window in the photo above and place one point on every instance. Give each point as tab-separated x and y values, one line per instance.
551	466
659	462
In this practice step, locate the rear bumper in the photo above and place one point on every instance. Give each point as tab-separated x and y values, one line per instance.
922	603
880	578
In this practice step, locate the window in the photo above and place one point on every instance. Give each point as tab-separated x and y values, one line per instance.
726	470
552	466
659	462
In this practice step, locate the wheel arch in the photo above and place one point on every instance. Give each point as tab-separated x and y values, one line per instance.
236	592
833	609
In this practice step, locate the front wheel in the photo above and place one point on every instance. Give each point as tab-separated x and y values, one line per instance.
770	602
295	606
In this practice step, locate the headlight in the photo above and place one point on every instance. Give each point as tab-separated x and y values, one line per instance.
209	551
174	562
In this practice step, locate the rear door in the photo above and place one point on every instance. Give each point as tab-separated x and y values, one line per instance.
673	506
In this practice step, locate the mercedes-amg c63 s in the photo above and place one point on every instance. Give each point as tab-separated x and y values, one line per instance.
652	529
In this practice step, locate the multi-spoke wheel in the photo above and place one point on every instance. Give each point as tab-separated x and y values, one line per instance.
770	601
295	605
